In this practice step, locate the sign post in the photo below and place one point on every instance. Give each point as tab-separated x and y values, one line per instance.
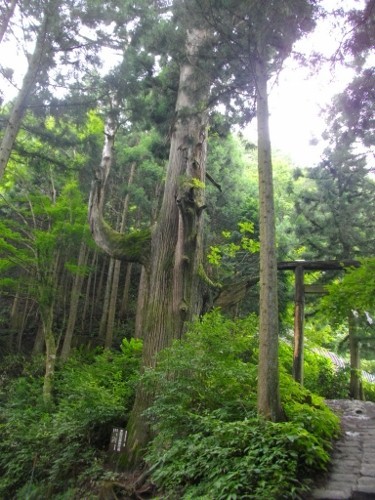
118	440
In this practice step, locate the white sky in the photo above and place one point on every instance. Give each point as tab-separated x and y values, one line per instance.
296	122
295	102
299	96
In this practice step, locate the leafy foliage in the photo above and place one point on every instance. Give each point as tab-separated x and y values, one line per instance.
209	442
46	451
355	291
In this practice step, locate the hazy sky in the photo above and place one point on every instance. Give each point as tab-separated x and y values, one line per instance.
296	100
299	95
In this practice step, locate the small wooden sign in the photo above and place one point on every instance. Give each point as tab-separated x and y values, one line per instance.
118	439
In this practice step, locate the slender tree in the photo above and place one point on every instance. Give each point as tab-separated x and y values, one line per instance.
7	14
38	61
269	403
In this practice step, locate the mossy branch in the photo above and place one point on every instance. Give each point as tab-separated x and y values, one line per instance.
132	247
206	279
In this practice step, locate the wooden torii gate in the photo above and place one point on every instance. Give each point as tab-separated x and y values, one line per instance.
299	267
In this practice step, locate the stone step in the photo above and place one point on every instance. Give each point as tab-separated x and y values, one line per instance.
352	472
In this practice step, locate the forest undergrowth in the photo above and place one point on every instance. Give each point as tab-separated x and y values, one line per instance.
209	442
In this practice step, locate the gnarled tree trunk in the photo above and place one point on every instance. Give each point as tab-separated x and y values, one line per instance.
172	256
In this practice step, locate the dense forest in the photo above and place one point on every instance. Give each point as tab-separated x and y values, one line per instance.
176	300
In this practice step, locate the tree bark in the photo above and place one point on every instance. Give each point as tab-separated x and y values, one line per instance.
107	295
132	247
74	303
17	315
116	270
172	252
125	295
51	349
39	341
142	299
22	324
112	303
88	294
269	404
176	254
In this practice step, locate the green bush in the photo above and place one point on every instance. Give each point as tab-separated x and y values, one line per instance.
324	378
46	452
246	458
321	376
209	441
369	391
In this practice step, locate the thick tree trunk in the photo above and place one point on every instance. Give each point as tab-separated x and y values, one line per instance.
74	303
107	295
269	405
132	247
172	252
98	293
176	254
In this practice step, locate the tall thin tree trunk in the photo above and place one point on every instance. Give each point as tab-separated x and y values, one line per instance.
299	317
7	16
112	305
74	302
51	349
36	62
47	276
98	294
22	324
269	404
39	340
125	295
107	296
142	300
88	294
14	321
355	361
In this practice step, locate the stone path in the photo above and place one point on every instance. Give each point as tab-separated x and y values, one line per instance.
352	473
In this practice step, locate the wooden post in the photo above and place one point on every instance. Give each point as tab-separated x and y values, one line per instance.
299	314
355	361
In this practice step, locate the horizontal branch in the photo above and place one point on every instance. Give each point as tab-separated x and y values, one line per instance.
317	265
132	247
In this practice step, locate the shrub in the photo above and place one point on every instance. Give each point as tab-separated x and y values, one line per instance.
45	452
209	442
369	391
324	378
